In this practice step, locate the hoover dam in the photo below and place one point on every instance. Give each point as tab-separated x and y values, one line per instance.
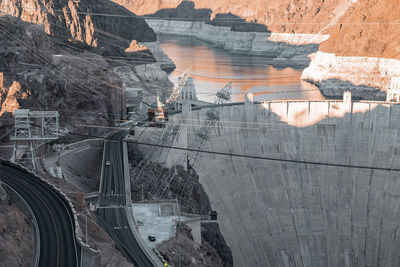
200	133
320	186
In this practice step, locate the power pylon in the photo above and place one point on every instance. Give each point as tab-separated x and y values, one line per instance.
32	127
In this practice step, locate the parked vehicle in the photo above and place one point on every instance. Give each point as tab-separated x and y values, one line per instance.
151	238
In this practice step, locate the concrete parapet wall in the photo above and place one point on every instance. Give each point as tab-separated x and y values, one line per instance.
88	142
275	213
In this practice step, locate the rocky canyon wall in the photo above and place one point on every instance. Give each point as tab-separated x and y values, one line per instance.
365	77
70	61
357	29
294	48
279	16
68	19
362	53
80	85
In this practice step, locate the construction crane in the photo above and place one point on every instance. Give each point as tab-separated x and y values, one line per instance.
224	95
185	185
178	88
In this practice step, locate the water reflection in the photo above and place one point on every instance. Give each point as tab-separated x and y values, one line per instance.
212	68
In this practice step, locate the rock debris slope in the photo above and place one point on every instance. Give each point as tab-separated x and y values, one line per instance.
70	61
16	234
32	77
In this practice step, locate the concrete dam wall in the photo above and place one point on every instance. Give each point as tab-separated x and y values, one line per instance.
275	213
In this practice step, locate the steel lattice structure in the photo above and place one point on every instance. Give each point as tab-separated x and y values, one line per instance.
178	88
32	127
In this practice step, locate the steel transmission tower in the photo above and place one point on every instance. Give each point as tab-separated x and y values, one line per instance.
32	127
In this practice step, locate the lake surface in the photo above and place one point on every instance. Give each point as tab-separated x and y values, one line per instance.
212	68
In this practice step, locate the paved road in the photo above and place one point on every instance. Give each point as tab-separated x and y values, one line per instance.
58	246
111	212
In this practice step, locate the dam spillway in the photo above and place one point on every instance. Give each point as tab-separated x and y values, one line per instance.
275	213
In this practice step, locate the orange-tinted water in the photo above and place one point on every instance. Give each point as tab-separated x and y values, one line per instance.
212	68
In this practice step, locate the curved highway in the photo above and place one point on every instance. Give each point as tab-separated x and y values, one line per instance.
58	246
111	211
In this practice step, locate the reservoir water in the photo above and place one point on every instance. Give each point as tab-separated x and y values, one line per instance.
212	68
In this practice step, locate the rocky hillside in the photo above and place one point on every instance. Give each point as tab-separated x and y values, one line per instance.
185	187
182	251
86	26
70	61
49	72
80	85
356	28
309	16
16	236
80	20
362	53
369	28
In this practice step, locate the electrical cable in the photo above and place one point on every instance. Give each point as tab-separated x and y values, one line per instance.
229	154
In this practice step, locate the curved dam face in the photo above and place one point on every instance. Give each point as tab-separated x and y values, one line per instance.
275	213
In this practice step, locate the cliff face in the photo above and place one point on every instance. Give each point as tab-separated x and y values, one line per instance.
183	251
70	62
288	31
192	199
309	16
80	85
16	235
366	77
362	53
357	30
80	20
369	28
100	26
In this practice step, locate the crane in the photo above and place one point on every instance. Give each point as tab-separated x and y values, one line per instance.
178	88
224	95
